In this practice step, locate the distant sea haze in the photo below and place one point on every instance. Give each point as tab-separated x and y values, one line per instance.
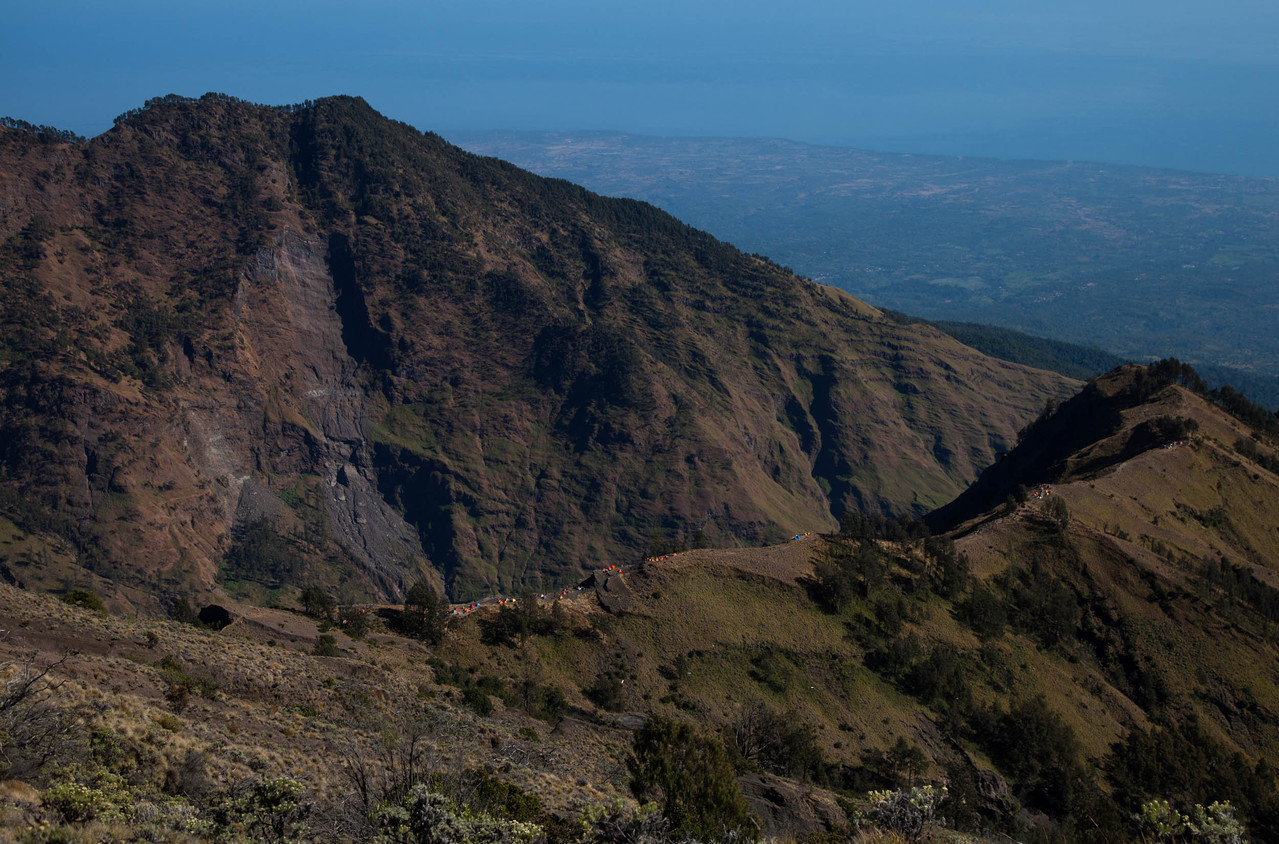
1200	116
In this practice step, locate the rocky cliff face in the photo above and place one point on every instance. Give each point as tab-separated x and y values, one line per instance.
312	418
226	324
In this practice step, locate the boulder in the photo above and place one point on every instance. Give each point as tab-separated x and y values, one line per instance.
786	808
611	591
216	616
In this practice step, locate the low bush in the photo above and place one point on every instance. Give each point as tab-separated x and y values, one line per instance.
86	599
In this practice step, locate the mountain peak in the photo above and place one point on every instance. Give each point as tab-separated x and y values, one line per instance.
309	342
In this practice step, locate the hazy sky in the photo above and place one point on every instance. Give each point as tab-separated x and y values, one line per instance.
1184	83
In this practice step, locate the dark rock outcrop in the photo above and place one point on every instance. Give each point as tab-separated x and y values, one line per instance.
786	808
216	616
611	591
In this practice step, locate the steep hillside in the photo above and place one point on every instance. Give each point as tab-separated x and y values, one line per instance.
257	347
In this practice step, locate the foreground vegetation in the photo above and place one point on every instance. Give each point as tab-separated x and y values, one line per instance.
333	731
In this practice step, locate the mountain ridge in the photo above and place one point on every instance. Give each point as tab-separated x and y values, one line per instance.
1142	262
405	359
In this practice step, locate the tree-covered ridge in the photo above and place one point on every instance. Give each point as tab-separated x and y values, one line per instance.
43	132
1264	423
1083	362
1071	360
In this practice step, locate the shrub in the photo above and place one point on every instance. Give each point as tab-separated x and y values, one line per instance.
74	802
553	704
690	775
781	743
1187	765
908	813
606	691
478	700
425	817
526	617
181	683
616	825
168	722
86	599
268	810
898	767
501	799
260	554
326	645
1215	824
178	696
317	603
1037	748
34	729
425	613
354	623
188	778
541	701
1057	511
184	611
